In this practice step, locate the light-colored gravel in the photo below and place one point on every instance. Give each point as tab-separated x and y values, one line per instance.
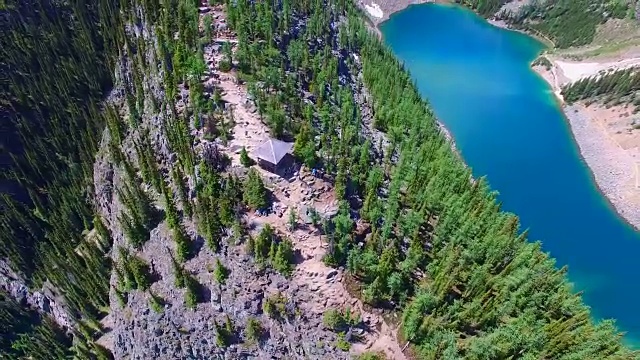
614	169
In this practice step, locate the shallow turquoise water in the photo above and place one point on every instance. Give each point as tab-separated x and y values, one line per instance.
507	125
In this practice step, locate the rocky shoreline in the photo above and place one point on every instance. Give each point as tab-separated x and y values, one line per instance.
613	169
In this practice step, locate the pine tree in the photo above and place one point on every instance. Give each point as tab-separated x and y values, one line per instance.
245	160
227	58
283	259
220	272
255	194
292	221
178	180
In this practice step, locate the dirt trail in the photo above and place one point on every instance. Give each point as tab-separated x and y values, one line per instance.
300	190
311	273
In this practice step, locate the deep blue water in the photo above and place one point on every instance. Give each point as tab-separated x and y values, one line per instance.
508	126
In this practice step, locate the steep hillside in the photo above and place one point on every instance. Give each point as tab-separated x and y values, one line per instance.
212	278
568	23
155	230
55	68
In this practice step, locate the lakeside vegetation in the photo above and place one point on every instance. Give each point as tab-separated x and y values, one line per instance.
440	250
568	23
485	8
611	88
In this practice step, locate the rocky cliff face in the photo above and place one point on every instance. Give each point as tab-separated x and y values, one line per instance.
180	333
43	300
137	331
157	323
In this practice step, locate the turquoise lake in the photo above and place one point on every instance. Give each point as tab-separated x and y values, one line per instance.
508	126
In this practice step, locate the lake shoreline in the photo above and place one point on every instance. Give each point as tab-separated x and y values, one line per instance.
610	167
521	144
388	8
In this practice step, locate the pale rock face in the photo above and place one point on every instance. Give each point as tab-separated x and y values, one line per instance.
41	300
374	10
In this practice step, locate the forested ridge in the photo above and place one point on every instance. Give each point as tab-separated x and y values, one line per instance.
566	22
486	292
569	22
56	61
611	88
27	334
440	251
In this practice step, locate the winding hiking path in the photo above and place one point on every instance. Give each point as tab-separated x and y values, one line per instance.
302	189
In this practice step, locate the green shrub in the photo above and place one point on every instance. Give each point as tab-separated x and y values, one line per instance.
191	294
275	306
254	330
132	272
337	320
225	66
314	217
140	271
293	219
207	24
332	319
190	299
156	303
222	336
183	244
283	260
262	243
121	297
220	272
369	355
278	252
342	343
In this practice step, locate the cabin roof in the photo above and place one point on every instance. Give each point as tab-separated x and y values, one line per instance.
273	151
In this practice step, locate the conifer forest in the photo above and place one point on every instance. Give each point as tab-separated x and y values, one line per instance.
611	88
566	23
123	85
